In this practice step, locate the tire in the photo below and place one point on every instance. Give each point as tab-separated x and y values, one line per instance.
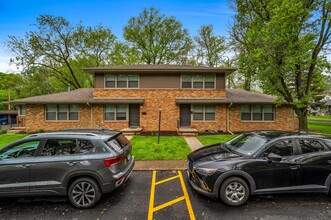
234	191
84	193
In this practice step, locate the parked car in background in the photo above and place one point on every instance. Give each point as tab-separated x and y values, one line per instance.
261	162
3	120
82	164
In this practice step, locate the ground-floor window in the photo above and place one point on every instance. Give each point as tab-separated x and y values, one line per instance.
115	112
257	112
203	112
61	112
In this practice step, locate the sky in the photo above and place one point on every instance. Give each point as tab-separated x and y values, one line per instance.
17	17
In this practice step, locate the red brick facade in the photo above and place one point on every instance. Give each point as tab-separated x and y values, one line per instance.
92	115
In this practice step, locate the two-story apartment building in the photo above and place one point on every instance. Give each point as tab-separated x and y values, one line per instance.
131	97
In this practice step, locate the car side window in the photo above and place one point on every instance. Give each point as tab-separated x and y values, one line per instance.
25	149
56	147
311	145
85	146
282	148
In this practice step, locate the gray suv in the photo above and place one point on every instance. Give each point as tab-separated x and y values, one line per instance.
79	163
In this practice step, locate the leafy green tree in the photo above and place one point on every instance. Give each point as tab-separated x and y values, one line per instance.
59	47
210	48
284	44
159	39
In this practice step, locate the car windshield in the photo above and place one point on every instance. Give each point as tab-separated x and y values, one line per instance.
246	144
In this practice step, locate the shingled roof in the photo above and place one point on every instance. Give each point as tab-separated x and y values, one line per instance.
159	69
86	96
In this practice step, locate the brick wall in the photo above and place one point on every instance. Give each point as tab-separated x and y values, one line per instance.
284	120
153	100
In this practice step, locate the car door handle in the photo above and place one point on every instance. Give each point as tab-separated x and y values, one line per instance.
294	167
24	166
71	163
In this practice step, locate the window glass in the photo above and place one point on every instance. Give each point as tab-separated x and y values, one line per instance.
115	144
268	111
85	146
110	77
245	112
198	112
186	81
55	147
246	144
110	112
311	145
121	112
210	112
63	112
198	81
121	81
51	112
282	148
209	81
73	112
257	112
26	149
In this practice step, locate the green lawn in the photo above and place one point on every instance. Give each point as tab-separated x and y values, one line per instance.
320	127
322	118
8	138
213	139
170	148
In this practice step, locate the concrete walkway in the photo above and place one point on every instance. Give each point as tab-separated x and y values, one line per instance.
193	143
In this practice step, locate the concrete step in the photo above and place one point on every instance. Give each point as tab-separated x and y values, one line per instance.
16	131
18	128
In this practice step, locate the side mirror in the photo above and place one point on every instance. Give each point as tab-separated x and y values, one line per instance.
274	157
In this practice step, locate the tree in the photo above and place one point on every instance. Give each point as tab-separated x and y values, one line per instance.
210	48
285	41
57	46
158	39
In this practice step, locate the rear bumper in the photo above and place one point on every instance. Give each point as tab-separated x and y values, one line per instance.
120	178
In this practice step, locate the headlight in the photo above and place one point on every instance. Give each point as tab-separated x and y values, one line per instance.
205	171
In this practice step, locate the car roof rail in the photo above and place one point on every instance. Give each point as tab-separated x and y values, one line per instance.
63	133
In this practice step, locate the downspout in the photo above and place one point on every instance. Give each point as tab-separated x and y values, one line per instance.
228	119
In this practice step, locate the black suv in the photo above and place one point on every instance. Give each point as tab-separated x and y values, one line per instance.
79	163
261	162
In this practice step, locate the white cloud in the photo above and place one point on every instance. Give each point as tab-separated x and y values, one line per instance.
5	67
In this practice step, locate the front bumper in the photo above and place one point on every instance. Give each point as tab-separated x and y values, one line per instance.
192	178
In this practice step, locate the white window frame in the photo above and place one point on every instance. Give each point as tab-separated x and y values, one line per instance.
57	111
192	81
116	80
251	113
203	113
115	113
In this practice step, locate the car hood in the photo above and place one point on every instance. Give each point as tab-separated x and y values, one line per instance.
211	153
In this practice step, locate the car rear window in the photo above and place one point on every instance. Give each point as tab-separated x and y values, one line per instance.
115	144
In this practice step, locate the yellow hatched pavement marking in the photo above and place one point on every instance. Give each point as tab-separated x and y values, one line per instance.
153	209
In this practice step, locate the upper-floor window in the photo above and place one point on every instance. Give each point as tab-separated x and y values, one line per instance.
63	112
115	112
203	112
121	80
257	112
198	81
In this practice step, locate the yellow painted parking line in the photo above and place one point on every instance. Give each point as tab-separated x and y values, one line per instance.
153	209
168	203
151	201
187	198
166	180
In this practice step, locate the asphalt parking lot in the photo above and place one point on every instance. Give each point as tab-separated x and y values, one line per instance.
169	201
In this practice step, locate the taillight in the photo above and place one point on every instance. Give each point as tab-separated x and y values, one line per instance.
114	160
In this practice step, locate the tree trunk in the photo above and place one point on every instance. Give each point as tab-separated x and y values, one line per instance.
302	116
247	83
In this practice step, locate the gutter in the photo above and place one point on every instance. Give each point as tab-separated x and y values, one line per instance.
228	119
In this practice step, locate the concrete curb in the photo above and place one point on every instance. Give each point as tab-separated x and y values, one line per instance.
160	165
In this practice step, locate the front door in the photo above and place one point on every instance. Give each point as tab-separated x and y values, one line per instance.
134	115
185	115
